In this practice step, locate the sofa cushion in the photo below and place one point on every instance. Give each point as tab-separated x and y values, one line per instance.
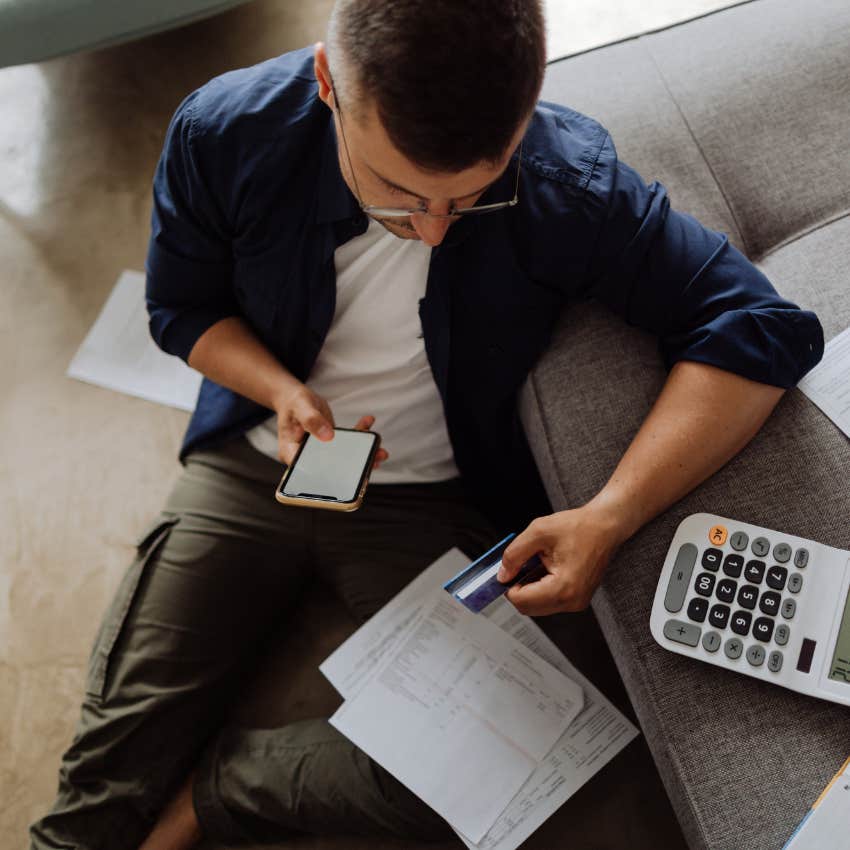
764	88
741	760
741	114
718	110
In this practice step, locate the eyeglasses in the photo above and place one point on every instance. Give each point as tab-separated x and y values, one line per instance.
422	209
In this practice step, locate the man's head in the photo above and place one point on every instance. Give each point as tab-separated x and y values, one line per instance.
434	96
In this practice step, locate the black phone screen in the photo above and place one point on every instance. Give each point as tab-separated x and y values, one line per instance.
332	470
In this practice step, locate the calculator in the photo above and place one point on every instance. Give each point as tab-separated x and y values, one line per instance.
757	601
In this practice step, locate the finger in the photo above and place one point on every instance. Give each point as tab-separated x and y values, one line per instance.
325	410
286	451
365	423
521	548
289	429
538	598
380	457
316	424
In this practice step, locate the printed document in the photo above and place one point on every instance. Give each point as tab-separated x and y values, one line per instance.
828	384
596	735
119	354
352	663
590	741
459	698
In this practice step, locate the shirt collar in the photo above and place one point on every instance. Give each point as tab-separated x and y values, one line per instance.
336	201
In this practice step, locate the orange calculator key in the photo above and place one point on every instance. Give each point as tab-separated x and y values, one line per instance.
717	535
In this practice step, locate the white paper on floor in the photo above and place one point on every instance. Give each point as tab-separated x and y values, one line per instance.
119	354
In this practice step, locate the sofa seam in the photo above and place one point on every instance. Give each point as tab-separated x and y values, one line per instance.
698	146
802	234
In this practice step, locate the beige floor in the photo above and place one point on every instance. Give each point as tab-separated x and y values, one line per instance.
82	468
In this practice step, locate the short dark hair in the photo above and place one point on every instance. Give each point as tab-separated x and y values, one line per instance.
451	79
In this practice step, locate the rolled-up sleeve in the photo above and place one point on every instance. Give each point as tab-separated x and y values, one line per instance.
664	271
189	261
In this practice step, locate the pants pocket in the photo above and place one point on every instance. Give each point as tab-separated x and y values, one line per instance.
147	545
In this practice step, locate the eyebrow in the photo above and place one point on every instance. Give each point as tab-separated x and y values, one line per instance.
420	197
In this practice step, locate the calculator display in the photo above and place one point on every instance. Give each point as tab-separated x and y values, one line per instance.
840	670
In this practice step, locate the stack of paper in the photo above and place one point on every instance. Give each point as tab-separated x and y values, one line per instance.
480	715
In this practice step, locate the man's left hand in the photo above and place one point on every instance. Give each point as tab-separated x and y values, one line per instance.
575	547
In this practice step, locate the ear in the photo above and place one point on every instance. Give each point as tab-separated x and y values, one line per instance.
323	75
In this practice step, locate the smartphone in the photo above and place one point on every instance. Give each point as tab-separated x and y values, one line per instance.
476	586
332	475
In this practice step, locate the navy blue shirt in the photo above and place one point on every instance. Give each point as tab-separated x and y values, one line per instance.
250	205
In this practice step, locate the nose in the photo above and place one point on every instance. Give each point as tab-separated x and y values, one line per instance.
430	230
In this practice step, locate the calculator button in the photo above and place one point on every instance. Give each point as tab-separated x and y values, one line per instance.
783	632
782	553
795	583
760	547
741	622
733	648
801	558
682	632
726	589
754	571
763	629
680	578
719	616
711	641
789	608
704	584
774	661
769	603
738	541
776	577
747	597
697	609
755	655
717	535
732	565
711	559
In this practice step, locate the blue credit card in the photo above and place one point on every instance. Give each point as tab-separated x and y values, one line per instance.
476	586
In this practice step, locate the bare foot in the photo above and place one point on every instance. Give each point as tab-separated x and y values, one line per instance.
177	827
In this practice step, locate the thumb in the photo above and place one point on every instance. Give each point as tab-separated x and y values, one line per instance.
315	422
522	548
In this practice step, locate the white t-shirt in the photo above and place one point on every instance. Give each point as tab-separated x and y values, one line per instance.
373	360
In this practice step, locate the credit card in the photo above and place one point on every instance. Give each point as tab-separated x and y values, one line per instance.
477	586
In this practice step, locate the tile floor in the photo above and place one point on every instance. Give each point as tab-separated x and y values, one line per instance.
82	469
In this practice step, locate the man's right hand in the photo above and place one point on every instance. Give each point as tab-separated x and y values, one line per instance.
300	410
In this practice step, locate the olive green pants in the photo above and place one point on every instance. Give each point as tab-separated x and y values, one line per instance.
213	577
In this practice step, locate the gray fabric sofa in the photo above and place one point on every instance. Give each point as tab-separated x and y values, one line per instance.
744	115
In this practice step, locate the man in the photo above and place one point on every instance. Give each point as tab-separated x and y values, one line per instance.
382	234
